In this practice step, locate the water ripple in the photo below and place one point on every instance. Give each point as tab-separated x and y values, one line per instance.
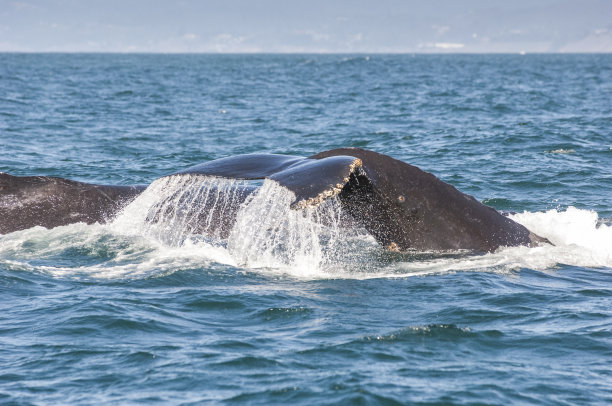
91	315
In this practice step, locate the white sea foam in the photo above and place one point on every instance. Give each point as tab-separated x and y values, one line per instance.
174	225
577	236
97	251
562	151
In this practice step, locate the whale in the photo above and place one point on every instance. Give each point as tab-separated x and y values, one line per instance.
403	207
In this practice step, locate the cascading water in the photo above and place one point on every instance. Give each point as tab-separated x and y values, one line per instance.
177	208
257	227
269	234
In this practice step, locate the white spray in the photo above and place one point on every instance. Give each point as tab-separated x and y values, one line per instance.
181	210
269	234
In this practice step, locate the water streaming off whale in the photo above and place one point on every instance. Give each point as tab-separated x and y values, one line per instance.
176	208
268	233
256	225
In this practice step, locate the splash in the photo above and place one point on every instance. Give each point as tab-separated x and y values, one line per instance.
580	238
268	234
257	228
195	222
177	209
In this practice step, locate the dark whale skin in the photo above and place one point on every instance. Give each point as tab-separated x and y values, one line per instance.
406	208
403	207
28	201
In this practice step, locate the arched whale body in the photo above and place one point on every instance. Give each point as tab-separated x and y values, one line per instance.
403	207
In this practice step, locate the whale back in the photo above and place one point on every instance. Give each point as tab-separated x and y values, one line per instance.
406	208
402	206
311	180
28	201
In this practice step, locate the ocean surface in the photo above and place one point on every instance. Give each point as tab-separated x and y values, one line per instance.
127	313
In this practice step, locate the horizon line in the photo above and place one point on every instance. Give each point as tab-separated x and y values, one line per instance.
365	53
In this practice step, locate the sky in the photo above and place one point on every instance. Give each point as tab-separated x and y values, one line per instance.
306	26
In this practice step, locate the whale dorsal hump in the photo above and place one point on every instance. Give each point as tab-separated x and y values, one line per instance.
312	180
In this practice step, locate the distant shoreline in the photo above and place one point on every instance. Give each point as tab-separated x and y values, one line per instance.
297	53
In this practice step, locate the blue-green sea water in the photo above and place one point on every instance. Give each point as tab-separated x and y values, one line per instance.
109	314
